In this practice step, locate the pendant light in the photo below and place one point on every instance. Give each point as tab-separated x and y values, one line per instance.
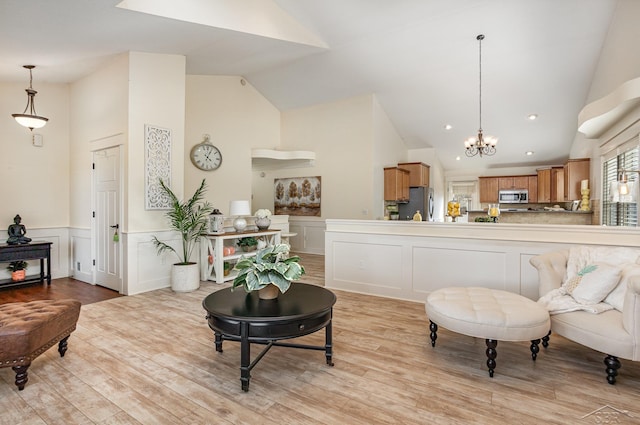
31	119
480	145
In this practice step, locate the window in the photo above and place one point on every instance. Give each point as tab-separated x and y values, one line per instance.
466	193
619	213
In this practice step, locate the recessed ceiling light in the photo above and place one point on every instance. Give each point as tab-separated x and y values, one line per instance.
448	126
457	158
532	117
529	153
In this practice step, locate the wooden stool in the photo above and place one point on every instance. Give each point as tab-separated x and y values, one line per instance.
28	329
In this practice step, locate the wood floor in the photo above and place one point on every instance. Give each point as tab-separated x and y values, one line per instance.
150	359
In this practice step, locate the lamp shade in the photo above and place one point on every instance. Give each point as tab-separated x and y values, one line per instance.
623	191
237	208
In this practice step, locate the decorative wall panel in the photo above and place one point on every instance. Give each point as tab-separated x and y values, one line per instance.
157	161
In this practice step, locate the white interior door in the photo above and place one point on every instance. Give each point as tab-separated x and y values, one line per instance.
107	219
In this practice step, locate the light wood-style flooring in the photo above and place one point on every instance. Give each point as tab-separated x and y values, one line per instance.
150	359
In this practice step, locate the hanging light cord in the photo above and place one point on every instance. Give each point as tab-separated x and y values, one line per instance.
480	38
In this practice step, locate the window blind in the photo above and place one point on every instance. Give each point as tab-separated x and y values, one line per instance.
619	213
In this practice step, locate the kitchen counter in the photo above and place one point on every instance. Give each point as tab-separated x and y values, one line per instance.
538	216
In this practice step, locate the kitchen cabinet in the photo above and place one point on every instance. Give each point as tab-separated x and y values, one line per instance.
396	184
418	173
490	186
557	184
544	185
533	189
513	182
488	189
212	253
575	170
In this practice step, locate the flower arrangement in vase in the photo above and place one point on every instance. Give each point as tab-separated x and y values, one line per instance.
263	220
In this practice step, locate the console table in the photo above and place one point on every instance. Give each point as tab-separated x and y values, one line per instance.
31	251
212	254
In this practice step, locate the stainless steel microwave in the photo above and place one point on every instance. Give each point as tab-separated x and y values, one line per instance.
517	196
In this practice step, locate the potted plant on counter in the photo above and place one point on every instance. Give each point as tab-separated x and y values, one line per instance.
18	270
248	244
189	219
269	272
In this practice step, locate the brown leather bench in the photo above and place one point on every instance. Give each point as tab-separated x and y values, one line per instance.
28	329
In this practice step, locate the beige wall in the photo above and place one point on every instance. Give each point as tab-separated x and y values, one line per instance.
35	180
341	134
238	119
156	97
388	149
98	109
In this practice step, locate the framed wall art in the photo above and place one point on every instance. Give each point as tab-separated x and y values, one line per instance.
297	196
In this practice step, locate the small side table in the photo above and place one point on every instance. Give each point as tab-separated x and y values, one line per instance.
30	251
285	237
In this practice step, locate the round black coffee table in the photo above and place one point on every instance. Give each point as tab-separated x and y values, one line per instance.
241	316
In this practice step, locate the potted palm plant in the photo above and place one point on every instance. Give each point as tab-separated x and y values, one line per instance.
190	219
269	272
18	270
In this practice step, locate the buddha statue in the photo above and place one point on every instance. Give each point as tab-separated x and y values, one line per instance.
17	232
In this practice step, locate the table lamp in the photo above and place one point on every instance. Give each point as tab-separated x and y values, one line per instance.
239	209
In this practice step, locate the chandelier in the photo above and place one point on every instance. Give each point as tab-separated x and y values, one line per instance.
31	119
480	145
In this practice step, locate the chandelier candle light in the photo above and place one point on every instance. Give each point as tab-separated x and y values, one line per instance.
480	145
31	119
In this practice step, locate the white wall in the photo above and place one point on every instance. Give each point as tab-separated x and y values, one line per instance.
388	149
34	180
99	108
341	135
238	119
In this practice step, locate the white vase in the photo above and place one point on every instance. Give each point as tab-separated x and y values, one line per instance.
263	223
185	277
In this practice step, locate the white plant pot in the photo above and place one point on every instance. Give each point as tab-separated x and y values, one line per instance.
185	277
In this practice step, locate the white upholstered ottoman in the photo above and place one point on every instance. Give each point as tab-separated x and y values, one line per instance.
490	314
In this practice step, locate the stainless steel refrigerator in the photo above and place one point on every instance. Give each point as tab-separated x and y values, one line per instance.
420	199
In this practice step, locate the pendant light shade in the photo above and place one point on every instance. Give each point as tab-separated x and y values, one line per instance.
29	118
481	144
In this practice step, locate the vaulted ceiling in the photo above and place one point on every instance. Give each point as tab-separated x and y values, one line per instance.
419	57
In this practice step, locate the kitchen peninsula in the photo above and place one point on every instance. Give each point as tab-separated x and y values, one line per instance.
408	260
538	216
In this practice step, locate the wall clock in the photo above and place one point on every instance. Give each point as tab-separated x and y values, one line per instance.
205	156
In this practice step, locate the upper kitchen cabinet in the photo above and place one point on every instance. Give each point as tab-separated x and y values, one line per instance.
544	185
513	182
533	189
488	189
557	184
575	170
418	173
396	184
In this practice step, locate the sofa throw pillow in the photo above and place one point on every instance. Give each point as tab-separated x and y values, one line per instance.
616	297
582	256
593	283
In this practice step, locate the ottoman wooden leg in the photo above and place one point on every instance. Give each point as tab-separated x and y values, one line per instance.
21	375
535	349
434	333
613	364
491	355
62	346
545	340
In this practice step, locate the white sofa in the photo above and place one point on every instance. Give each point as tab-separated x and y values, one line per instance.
614	332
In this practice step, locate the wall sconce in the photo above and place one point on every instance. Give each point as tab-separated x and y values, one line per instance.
30	120
624	190
239	209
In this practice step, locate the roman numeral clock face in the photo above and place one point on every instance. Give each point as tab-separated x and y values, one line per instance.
206	157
